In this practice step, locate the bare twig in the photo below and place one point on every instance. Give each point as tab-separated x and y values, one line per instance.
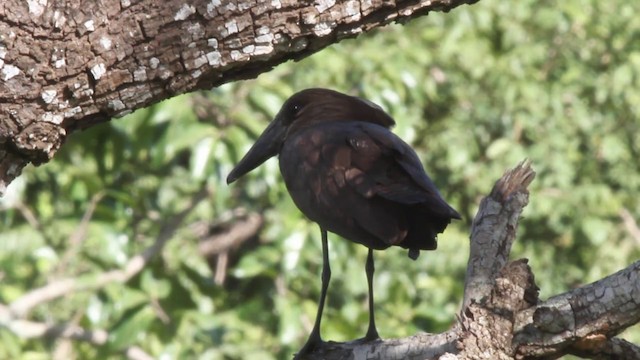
63	350
237	233
630	224
159	311
64	347
221	268
135	353
78	236
28	215
228	235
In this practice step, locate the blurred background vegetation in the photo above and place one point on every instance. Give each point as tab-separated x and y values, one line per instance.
475	91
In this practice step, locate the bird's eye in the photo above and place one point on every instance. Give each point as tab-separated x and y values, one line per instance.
291	113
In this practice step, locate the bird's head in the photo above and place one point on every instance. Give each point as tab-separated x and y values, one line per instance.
306	108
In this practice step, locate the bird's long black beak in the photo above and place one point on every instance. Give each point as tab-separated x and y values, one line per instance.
267	145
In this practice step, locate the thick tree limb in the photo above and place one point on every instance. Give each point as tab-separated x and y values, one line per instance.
595	348
417	347
488	324
584	318
66	65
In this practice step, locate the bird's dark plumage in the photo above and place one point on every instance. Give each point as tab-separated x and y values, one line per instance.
349	173
346	171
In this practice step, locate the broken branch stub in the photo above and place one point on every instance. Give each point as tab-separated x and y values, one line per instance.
494	229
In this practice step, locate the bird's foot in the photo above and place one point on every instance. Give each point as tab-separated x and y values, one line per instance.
371	336
310	346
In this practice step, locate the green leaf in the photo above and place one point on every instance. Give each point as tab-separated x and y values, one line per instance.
156	288
131	328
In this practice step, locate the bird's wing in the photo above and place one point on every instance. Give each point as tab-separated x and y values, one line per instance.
384	165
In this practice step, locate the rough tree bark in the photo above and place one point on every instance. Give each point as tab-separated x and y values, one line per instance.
502	316
66	65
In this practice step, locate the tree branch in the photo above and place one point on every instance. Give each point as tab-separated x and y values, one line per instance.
582	317
630	225
416	347
231	236
63	68
216	243
31	329
494	230
597	348
78	236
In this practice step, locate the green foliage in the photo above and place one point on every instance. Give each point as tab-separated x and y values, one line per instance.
475	91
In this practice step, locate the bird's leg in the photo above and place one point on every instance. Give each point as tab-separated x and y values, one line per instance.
314	338
372	332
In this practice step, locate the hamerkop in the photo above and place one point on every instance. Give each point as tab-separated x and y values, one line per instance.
347	172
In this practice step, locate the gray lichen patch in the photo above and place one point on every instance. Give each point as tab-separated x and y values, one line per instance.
98	70
185	11
49	95
9	71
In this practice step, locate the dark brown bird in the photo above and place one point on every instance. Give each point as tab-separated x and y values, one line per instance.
347	172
